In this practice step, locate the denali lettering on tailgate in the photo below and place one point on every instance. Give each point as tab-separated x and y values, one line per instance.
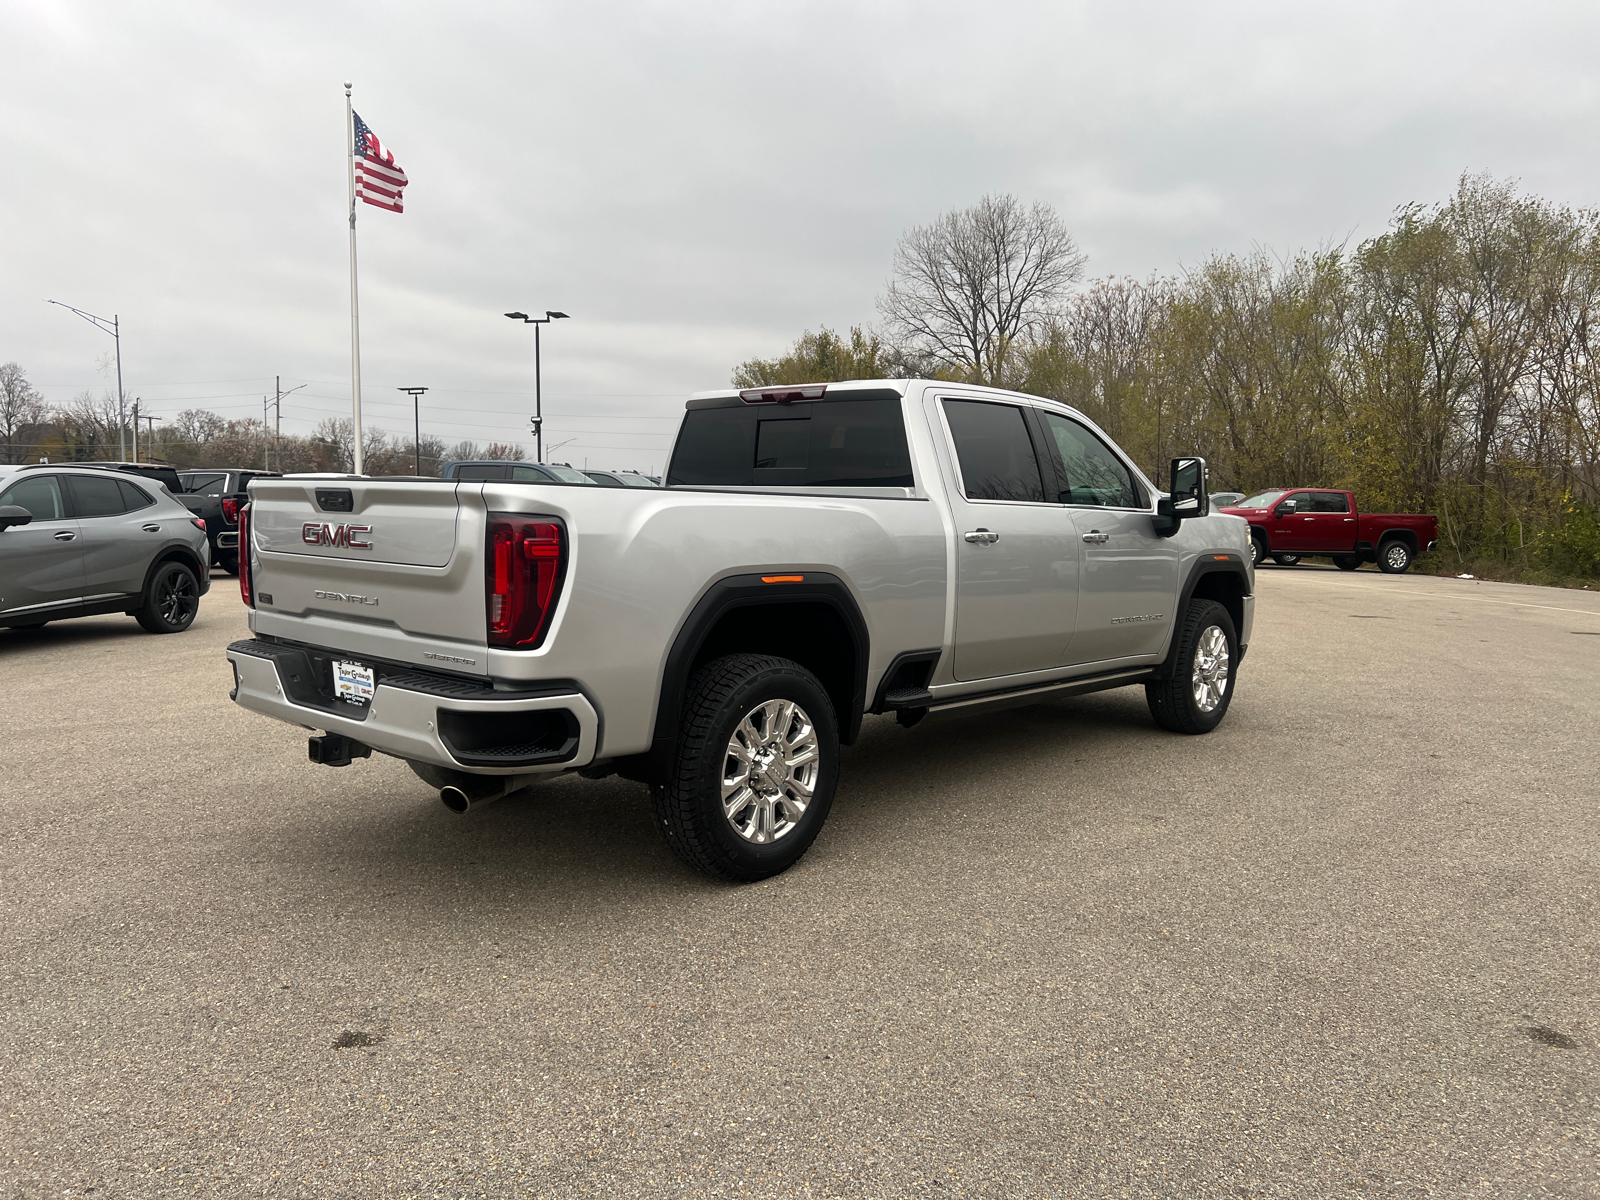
314	533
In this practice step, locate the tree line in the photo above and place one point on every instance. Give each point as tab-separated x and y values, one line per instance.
1449	365
89	429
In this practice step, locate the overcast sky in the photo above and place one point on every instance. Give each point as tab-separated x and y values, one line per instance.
694	183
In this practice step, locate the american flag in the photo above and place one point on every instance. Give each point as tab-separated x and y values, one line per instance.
379	179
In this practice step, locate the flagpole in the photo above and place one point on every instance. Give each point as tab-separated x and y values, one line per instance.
355	307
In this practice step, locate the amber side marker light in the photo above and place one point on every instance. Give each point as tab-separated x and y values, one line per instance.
783	579
1220	557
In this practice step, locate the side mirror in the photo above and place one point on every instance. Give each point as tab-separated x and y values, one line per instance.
1286	508
1190	497
13	514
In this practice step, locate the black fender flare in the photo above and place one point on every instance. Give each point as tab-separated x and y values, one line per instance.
1209	563
178	552
746	591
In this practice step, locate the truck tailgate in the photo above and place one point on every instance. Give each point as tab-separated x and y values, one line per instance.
374	567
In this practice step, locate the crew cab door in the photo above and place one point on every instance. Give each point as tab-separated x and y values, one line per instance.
1330	526
1016	553
1289	525
1129	583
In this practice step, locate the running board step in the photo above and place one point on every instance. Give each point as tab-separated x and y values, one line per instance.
907	698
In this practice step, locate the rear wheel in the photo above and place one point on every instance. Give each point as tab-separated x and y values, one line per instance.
1195	696
228	560
1347	562
171	599
755	769
1394	558
1286	560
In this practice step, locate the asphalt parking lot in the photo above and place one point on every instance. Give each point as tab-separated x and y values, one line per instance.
1345	946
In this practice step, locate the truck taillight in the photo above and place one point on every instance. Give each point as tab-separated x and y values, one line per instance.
246	590
526	556
230	509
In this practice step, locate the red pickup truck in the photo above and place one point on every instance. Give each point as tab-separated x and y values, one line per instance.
1290	524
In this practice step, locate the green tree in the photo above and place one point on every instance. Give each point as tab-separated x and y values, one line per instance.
822	357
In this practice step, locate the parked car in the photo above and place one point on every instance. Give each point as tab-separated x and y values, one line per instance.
621	479
160	473
216	496
80	541
517	472
1291	524
817	553
1225	499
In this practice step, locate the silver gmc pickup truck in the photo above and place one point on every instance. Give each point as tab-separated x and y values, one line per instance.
818	553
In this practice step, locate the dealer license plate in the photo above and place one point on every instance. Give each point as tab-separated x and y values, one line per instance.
353	682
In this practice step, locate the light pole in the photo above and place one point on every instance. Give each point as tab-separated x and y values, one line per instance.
416	419
114	328
538	398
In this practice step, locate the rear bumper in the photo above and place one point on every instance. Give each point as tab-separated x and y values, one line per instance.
228	540
424	724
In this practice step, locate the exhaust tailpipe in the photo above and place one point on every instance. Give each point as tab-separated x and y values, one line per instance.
463	793
479	791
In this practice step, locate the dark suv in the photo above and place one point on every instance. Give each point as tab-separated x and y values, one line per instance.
216	497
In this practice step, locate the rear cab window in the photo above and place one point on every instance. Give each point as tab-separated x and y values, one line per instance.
846	438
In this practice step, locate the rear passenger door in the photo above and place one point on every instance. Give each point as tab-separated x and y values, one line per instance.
118	541
1016	553
40	562
1129	586
1330	527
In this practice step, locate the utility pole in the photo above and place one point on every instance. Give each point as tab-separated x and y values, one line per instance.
114	328
277	406
136	429
416	420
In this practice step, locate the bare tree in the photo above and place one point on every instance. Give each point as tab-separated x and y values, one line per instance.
20	406
972	286
505	451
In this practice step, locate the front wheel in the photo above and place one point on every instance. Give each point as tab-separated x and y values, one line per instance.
171	599
1195	696
1258	551
1394	558
755	770
1286	560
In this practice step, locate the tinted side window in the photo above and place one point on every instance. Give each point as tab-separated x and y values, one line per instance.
134	496
1302	501
824	443
1332	502
39	494
95	496
1095	476
528	475
995	451
477	474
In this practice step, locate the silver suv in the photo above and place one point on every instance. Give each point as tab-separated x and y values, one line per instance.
84	541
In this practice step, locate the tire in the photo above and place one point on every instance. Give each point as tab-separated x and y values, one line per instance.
738	701
1394	557
1258	551
171	599
1207	629
228	561
1286	560
1347	562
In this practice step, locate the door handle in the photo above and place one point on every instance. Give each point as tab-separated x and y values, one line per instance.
150	527
66	535
981	537
1095	538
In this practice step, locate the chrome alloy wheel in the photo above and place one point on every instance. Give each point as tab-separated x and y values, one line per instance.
1398	557
1210	680
770	771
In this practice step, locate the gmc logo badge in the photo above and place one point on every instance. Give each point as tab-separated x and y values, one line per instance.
312	533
